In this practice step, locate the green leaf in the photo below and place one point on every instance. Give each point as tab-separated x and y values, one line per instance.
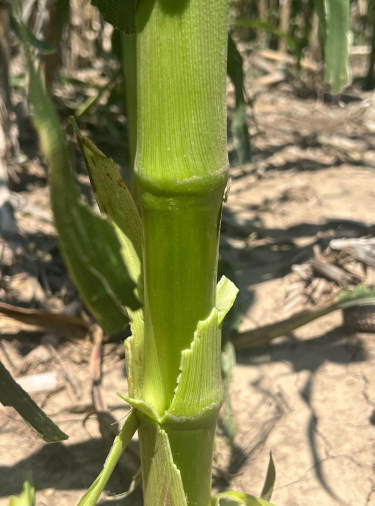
234	498
241	134
120	13
239	125
11	394
115	200
270	481
233	319
27	496
354	296
89	243
121	442
199	386
142	406
335	35
226	293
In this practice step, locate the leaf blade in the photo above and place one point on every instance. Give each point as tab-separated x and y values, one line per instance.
11	394
92	495
89	244
269	483
115	200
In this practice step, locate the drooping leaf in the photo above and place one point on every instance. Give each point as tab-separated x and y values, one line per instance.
115	200
270	481
72	326
27	496
235	498
90	246
239	125
240	131
11	394
91	497
369	80
335	36
120	13
235	69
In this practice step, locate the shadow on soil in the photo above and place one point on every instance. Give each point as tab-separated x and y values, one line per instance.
64	467
303	355
255	262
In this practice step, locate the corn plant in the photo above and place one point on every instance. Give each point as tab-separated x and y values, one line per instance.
160	263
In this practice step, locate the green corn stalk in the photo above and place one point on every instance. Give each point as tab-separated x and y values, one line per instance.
181	170
335	38
174	364
174	367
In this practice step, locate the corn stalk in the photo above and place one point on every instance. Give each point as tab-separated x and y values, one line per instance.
181	170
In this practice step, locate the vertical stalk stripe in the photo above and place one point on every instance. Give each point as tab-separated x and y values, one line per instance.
181	89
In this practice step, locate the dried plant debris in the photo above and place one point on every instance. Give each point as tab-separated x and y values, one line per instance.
345	263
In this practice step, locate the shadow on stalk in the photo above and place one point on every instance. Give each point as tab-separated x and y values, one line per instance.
170	7
174	7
